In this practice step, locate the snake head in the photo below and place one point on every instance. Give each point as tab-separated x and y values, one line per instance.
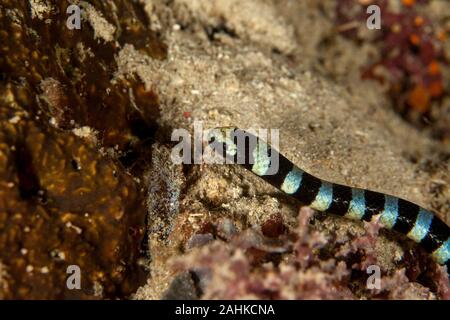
223	137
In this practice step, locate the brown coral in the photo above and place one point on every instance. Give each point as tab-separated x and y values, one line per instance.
62	202
61	205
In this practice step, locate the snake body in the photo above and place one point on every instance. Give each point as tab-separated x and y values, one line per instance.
397	214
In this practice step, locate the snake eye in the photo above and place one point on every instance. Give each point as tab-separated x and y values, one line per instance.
212	136
211	139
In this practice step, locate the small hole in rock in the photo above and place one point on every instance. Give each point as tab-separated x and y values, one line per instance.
75	165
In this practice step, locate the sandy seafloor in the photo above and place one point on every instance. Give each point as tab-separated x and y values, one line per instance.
331	123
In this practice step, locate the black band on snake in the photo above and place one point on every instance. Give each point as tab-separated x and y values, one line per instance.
397	214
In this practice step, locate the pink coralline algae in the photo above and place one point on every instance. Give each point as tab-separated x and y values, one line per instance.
275	261
411	47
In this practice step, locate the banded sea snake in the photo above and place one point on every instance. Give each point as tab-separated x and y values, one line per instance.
397	214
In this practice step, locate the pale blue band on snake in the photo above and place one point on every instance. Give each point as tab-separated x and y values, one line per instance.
397	214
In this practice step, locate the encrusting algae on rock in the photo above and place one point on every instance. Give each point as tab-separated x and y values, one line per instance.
68	138
60	205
